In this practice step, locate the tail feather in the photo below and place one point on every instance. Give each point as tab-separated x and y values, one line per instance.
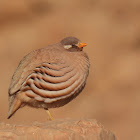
14	106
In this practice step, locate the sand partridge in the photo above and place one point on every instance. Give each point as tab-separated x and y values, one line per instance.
49	77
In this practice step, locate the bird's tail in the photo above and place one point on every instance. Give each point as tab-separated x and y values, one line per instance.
14	105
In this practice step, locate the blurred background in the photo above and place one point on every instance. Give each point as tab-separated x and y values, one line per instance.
112	31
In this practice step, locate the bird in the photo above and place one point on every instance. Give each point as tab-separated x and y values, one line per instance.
49	77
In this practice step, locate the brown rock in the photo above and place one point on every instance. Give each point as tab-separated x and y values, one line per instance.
57	130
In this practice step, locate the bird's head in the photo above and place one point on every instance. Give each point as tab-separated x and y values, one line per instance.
72	44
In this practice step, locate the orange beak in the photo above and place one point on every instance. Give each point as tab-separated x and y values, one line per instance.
81	45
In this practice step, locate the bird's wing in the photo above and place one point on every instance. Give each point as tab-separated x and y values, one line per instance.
27	66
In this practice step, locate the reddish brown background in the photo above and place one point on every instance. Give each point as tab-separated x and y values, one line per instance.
112	32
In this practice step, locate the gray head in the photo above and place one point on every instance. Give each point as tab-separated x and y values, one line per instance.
72	44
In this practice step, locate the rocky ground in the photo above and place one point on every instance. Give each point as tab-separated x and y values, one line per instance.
85	129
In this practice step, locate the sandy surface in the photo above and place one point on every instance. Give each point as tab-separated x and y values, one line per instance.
112	31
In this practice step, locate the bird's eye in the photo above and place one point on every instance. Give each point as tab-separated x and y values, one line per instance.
74	45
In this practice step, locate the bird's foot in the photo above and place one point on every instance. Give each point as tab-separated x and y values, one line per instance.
50	116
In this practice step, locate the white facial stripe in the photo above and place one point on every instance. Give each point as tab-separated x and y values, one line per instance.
67	46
